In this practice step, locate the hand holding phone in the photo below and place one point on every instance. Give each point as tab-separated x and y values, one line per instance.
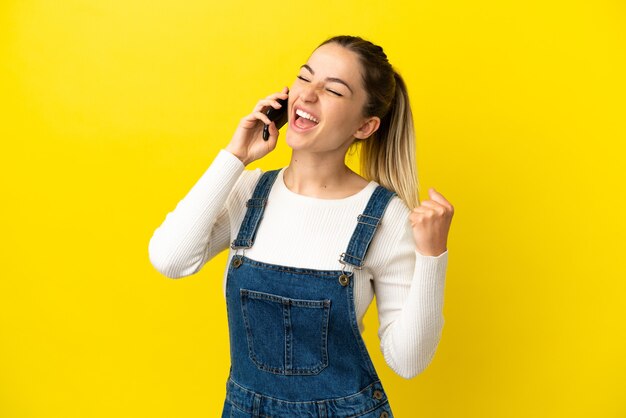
278	116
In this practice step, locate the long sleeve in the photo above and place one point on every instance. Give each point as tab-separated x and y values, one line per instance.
199	227
409	298
307	232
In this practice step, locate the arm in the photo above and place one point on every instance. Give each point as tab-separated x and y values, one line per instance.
199	227
409	299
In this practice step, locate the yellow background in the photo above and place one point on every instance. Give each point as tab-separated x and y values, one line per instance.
111	110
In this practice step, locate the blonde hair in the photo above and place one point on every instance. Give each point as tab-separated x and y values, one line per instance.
388	156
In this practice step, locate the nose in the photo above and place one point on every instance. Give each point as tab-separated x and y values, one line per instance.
308	93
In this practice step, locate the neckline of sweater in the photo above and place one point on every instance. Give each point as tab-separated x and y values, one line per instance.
363	193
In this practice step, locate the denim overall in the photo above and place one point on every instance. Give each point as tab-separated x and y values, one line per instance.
295	345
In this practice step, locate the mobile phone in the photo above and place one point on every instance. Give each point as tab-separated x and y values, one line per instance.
278	116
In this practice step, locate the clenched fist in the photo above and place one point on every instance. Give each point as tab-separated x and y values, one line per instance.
431	223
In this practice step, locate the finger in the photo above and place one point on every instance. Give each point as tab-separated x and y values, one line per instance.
432	205
254	118
428	212
261	116
273	131
438	197
434	208
266	102
422	210
282	95
417	218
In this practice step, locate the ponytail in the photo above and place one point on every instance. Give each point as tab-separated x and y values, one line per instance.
388	156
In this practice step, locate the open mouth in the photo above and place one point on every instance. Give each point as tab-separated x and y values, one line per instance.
304	121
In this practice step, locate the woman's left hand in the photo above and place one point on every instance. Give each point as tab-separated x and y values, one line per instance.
431	224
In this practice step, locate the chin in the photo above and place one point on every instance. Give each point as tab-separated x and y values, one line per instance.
296	141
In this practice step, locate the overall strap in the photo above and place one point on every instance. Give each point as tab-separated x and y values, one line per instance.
367	222
254	213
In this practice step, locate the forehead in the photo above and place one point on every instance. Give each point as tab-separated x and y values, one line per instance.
333	60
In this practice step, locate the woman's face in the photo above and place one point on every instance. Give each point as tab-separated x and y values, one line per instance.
329	89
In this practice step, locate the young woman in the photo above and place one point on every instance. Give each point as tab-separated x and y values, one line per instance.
312	243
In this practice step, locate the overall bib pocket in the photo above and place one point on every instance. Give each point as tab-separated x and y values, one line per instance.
285	335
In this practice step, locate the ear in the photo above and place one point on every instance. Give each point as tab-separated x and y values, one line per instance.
369	126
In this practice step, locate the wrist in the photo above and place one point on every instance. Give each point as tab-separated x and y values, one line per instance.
237	154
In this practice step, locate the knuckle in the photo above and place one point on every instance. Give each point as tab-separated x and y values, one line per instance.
416	217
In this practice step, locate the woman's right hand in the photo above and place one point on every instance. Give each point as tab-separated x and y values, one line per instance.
247	143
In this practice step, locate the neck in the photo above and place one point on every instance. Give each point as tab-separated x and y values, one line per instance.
317	175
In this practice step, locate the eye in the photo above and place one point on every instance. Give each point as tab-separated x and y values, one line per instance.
302	78
335	93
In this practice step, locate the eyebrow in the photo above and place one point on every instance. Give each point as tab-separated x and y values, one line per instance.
333	79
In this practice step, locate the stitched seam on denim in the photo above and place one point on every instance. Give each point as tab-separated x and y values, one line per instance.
256	202
256	404
362	237
355	330
244	314
324	347
378	406
321	409
248	230
235	404
359	393
287	337
294	270
360	243
254	212
301	303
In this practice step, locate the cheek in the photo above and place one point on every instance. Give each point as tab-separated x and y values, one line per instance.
294	91
343	118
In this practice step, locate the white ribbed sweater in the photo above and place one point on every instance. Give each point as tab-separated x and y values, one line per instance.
308	232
